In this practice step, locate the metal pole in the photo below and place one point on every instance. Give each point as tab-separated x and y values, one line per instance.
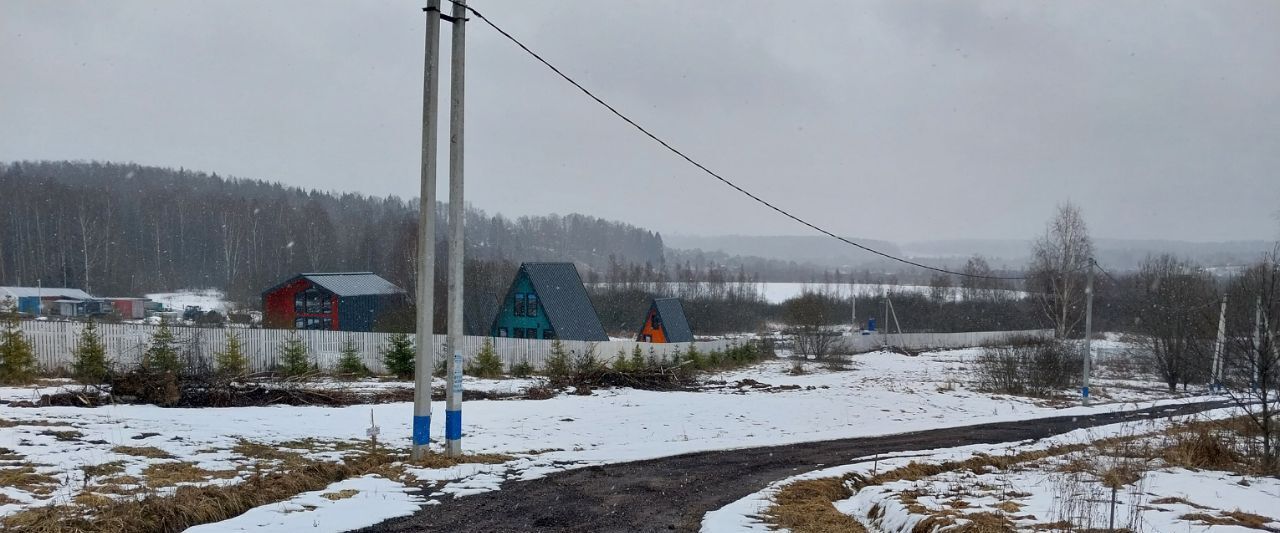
1216	382
457	211
1088	330
424	337
853	309
1257	342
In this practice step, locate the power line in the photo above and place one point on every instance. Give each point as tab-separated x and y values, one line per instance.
710	172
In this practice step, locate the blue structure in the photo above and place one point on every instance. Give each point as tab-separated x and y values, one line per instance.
41	300
548	301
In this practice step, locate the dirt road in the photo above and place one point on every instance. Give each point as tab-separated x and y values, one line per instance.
672	493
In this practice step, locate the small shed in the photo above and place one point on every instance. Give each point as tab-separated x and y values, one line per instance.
665	322
130	308
548	301
41	300
340	301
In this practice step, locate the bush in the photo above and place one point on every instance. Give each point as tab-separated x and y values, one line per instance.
162	354
1029	369
486	363
349	363
17	359
232	362
90	357
558	365
522	369
399	356
293	356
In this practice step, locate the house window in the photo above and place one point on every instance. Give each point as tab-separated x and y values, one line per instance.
502	332
517	333
312	301
548	334
520	300
312	322
657	321
531	309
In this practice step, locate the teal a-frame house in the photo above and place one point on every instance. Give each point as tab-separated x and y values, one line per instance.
548	301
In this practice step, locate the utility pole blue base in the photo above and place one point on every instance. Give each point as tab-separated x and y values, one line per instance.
422	430
453	425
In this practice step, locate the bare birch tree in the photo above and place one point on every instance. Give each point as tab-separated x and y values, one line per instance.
1057	271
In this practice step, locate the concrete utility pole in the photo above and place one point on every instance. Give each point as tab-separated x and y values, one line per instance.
457	211
424	337
1088	330
1216	384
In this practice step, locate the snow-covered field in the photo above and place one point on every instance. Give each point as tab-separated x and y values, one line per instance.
1038	492
206	299
883	393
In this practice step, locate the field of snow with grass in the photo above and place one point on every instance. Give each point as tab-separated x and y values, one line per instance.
69	455
1061	483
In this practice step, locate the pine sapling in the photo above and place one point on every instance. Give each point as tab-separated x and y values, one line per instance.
89	364
399	356
17	359
486	363
232	361
162	354
349	363
293	356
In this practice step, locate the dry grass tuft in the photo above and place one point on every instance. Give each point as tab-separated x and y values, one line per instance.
340	495
150	452
26	477
1009	506
105	469
985	523
1231	518
169	474
69	435
805	507
1200	449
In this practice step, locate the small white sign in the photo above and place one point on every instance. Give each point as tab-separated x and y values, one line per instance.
372	431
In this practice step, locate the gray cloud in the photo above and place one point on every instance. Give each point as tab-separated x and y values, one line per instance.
899	120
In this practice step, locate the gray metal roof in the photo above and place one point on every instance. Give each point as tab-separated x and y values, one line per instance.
352	283
674	323
564	298
43	292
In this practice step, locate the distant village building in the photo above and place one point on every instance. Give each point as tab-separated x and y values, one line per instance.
343	301
130	308
548	301
44	300
665	322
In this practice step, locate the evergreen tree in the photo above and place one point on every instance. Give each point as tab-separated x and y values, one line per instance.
90	357
162	354
399	356
293	356
349	363
637	359
17	360
232	361
558	364
486	363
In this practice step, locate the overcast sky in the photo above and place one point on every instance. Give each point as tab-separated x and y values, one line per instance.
896	120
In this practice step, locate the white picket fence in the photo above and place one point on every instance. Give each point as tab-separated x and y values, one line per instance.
921	341
125	343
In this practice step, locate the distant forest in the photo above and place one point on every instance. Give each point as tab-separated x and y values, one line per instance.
126	229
